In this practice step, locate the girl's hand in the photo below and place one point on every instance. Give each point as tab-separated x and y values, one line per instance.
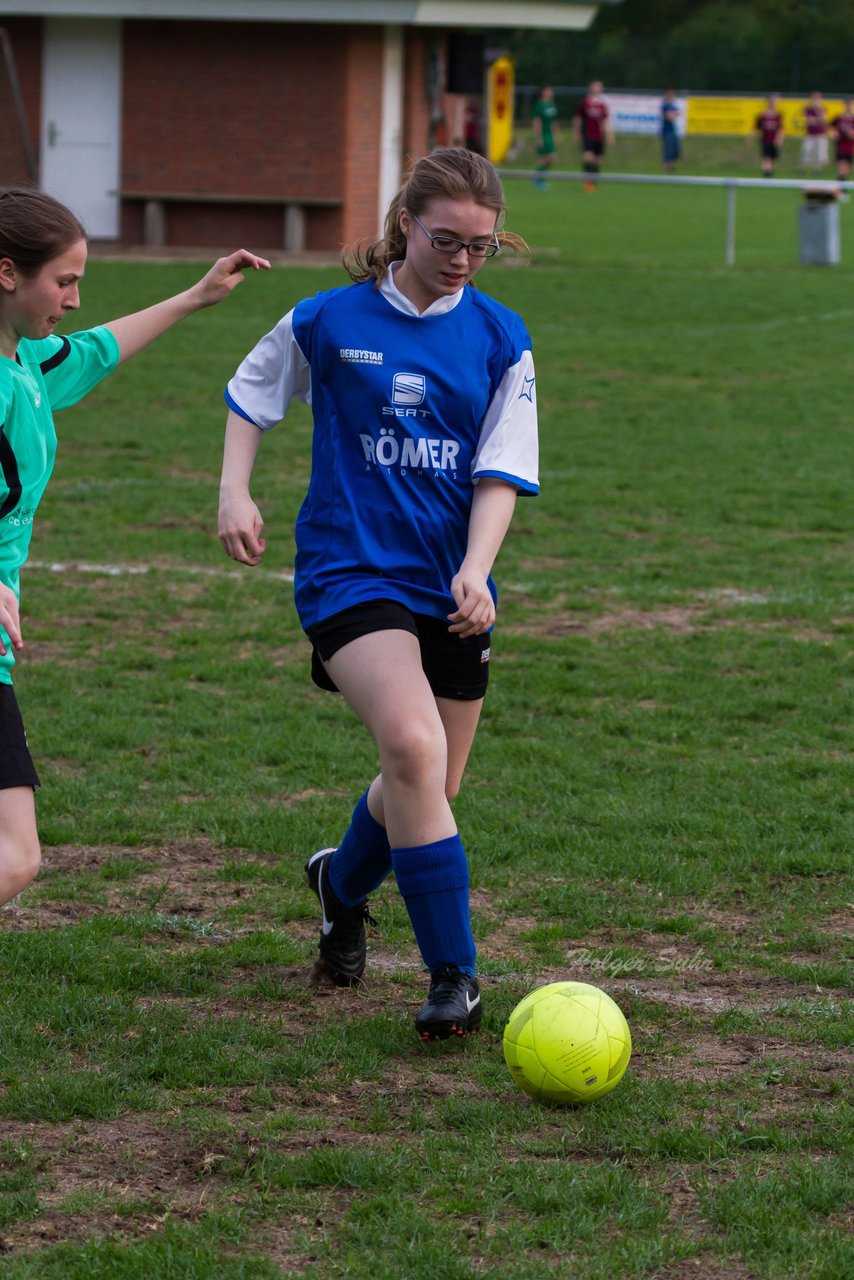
475	612
10	618
225	274
240	527
135	331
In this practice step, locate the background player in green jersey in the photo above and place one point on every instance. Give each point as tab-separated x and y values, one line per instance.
42	259
544	120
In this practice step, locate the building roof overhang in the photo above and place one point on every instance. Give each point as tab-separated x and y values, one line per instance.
543	14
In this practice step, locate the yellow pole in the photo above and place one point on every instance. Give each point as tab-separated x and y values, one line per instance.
500	85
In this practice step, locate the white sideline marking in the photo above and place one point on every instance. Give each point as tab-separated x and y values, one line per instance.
821	317
726	326
120	570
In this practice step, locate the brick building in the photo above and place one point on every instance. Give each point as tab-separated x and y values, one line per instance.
208	122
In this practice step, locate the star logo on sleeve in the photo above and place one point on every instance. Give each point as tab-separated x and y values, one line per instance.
527	391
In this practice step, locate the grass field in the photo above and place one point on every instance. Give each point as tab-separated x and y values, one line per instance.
730	157
659	802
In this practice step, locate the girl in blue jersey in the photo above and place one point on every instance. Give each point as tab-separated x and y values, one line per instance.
42	260
422	395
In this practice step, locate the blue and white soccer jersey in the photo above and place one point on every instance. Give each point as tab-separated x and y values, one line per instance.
410	411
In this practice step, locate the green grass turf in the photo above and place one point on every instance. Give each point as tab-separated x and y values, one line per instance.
702	156
659	802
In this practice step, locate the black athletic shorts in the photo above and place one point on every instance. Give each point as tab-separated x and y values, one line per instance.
594	146
769	150
454	667
16	763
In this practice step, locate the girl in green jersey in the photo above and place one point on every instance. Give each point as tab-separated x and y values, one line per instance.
42	260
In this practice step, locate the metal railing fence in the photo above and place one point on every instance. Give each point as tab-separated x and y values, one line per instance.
819	186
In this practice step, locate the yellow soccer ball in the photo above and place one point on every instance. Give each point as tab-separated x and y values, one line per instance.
567	1042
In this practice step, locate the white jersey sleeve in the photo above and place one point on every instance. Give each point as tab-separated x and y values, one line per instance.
508	446
273	374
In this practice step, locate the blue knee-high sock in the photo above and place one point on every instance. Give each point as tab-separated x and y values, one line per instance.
362	860
433	880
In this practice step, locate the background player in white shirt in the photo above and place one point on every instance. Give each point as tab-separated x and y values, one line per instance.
422	393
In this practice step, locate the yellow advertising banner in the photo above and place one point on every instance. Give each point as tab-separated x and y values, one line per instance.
738	115
500	83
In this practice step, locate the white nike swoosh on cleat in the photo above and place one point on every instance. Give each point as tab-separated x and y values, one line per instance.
471	1004
326	925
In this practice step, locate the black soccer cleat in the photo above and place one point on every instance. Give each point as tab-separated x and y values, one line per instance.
342	946
453	1007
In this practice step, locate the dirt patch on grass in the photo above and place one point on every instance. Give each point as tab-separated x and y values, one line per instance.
176	880
131	1171
681	619
714	994
708	611
708	1266
708	1059
124	1178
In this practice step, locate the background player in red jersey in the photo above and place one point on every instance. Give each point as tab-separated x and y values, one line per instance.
592	126
815	139
769	130
842	131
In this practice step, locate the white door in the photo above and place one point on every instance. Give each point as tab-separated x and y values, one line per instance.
81	108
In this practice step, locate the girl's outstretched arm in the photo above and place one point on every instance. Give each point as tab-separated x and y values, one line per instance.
491	512
136	331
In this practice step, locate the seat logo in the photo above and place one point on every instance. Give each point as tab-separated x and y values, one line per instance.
408	388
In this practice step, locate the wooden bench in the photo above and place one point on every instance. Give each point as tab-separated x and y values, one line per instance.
294	207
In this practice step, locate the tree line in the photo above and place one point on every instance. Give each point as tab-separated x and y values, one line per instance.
788	46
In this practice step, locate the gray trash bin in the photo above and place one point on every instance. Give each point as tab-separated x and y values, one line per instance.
818	223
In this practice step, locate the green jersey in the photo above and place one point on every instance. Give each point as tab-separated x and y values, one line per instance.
44	376
546	113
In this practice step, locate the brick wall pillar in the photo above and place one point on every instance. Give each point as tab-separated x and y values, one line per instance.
361	108
421	92
25	36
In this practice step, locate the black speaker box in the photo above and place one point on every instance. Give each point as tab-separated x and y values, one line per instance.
466	63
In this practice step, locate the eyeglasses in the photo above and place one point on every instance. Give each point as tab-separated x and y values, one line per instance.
447	244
